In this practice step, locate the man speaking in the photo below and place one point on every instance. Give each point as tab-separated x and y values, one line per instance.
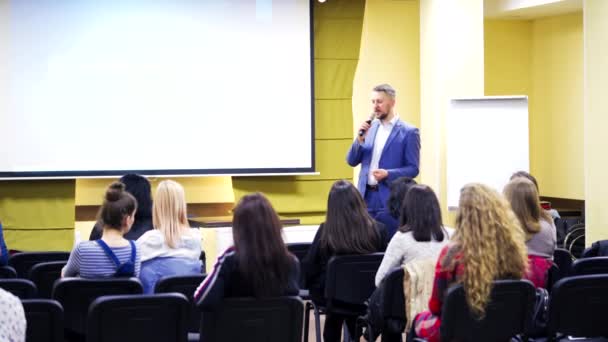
386	147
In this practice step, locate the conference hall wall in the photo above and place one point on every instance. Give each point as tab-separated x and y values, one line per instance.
543	58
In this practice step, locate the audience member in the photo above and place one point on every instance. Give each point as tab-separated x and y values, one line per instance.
488	245
3	249
12	318
139	187
348	229
421	233
258	265
523	174
172	247
389	216
112	255
537	225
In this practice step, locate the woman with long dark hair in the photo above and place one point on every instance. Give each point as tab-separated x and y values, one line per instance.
390	215
348	229
421	233
258	265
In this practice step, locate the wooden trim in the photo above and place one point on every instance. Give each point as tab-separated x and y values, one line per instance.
566	206
89	212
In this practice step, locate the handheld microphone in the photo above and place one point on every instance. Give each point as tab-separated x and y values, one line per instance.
369	121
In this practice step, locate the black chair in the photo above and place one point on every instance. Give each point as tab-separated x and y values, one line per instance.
578	308
553	276
563	260
597	265
23	262
185	285
44	276
150	318
76	294
299	249
349	282
254	320
44	320
22	288
509	313
7	272
392	309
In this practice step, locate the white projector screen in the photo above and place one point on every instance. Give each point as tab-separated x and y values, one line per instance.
159	87
487	141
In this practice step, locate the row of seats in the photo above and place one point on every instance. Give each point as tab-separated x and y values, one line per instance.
343	272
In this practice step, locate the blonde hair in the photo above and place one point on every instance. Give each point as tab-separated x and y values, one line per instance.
169	211
491	243
523	197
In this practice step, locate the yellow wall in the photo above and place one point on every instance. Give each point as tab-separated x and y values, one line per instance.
451	66
556	125
543	59
198	189
508	57
596	120
390	53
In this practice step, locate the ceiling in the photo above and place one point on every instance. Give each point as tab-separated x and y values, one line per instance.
529	9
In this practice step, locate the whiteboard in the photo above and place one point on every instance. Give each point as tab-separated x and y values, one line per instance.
487	141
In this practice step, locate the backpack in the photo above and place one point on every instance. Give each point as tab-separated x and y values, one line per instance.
126	269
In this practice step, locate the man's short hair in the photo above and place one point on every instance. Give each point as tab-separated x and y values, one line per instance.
387	89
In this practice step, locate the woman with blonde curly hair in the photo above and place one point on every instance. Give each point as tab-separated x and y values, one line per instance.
488	245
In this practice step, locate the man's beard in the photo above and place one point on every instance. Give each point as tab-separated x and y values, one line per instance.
381	116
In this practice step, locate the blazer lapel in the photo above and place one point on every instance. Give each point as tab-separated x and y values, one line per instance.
391	137
371	136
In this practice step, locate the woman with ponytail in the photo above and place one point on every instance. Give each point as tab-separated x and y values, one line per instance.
112	255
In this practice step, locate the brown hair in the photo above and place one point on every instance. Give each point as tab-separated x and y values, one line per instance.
117	204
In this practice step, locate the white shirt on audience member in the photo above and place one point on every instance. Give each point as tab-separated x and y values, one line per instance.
152	245
12	318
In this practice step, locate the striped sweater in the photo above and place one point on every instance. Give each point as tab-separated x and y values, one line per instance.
88	260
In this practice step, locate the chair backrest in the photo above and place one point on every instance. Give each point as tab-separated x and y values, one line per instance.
255	320
578	306
563	260
76	294
44	320
597	265
23	262
150	318
553	276
509	312
394	301
350	279
22	288
575	240
44	276
7	272
185	285
299	249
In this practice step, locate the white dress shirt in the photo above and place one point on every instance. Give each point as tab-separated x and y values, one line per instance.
384	130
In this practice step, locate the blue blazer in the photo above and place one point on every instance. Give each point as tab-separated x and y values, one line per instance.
400	155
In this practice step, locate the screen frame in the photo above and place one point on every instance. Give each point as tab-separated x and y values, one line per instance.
67	174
